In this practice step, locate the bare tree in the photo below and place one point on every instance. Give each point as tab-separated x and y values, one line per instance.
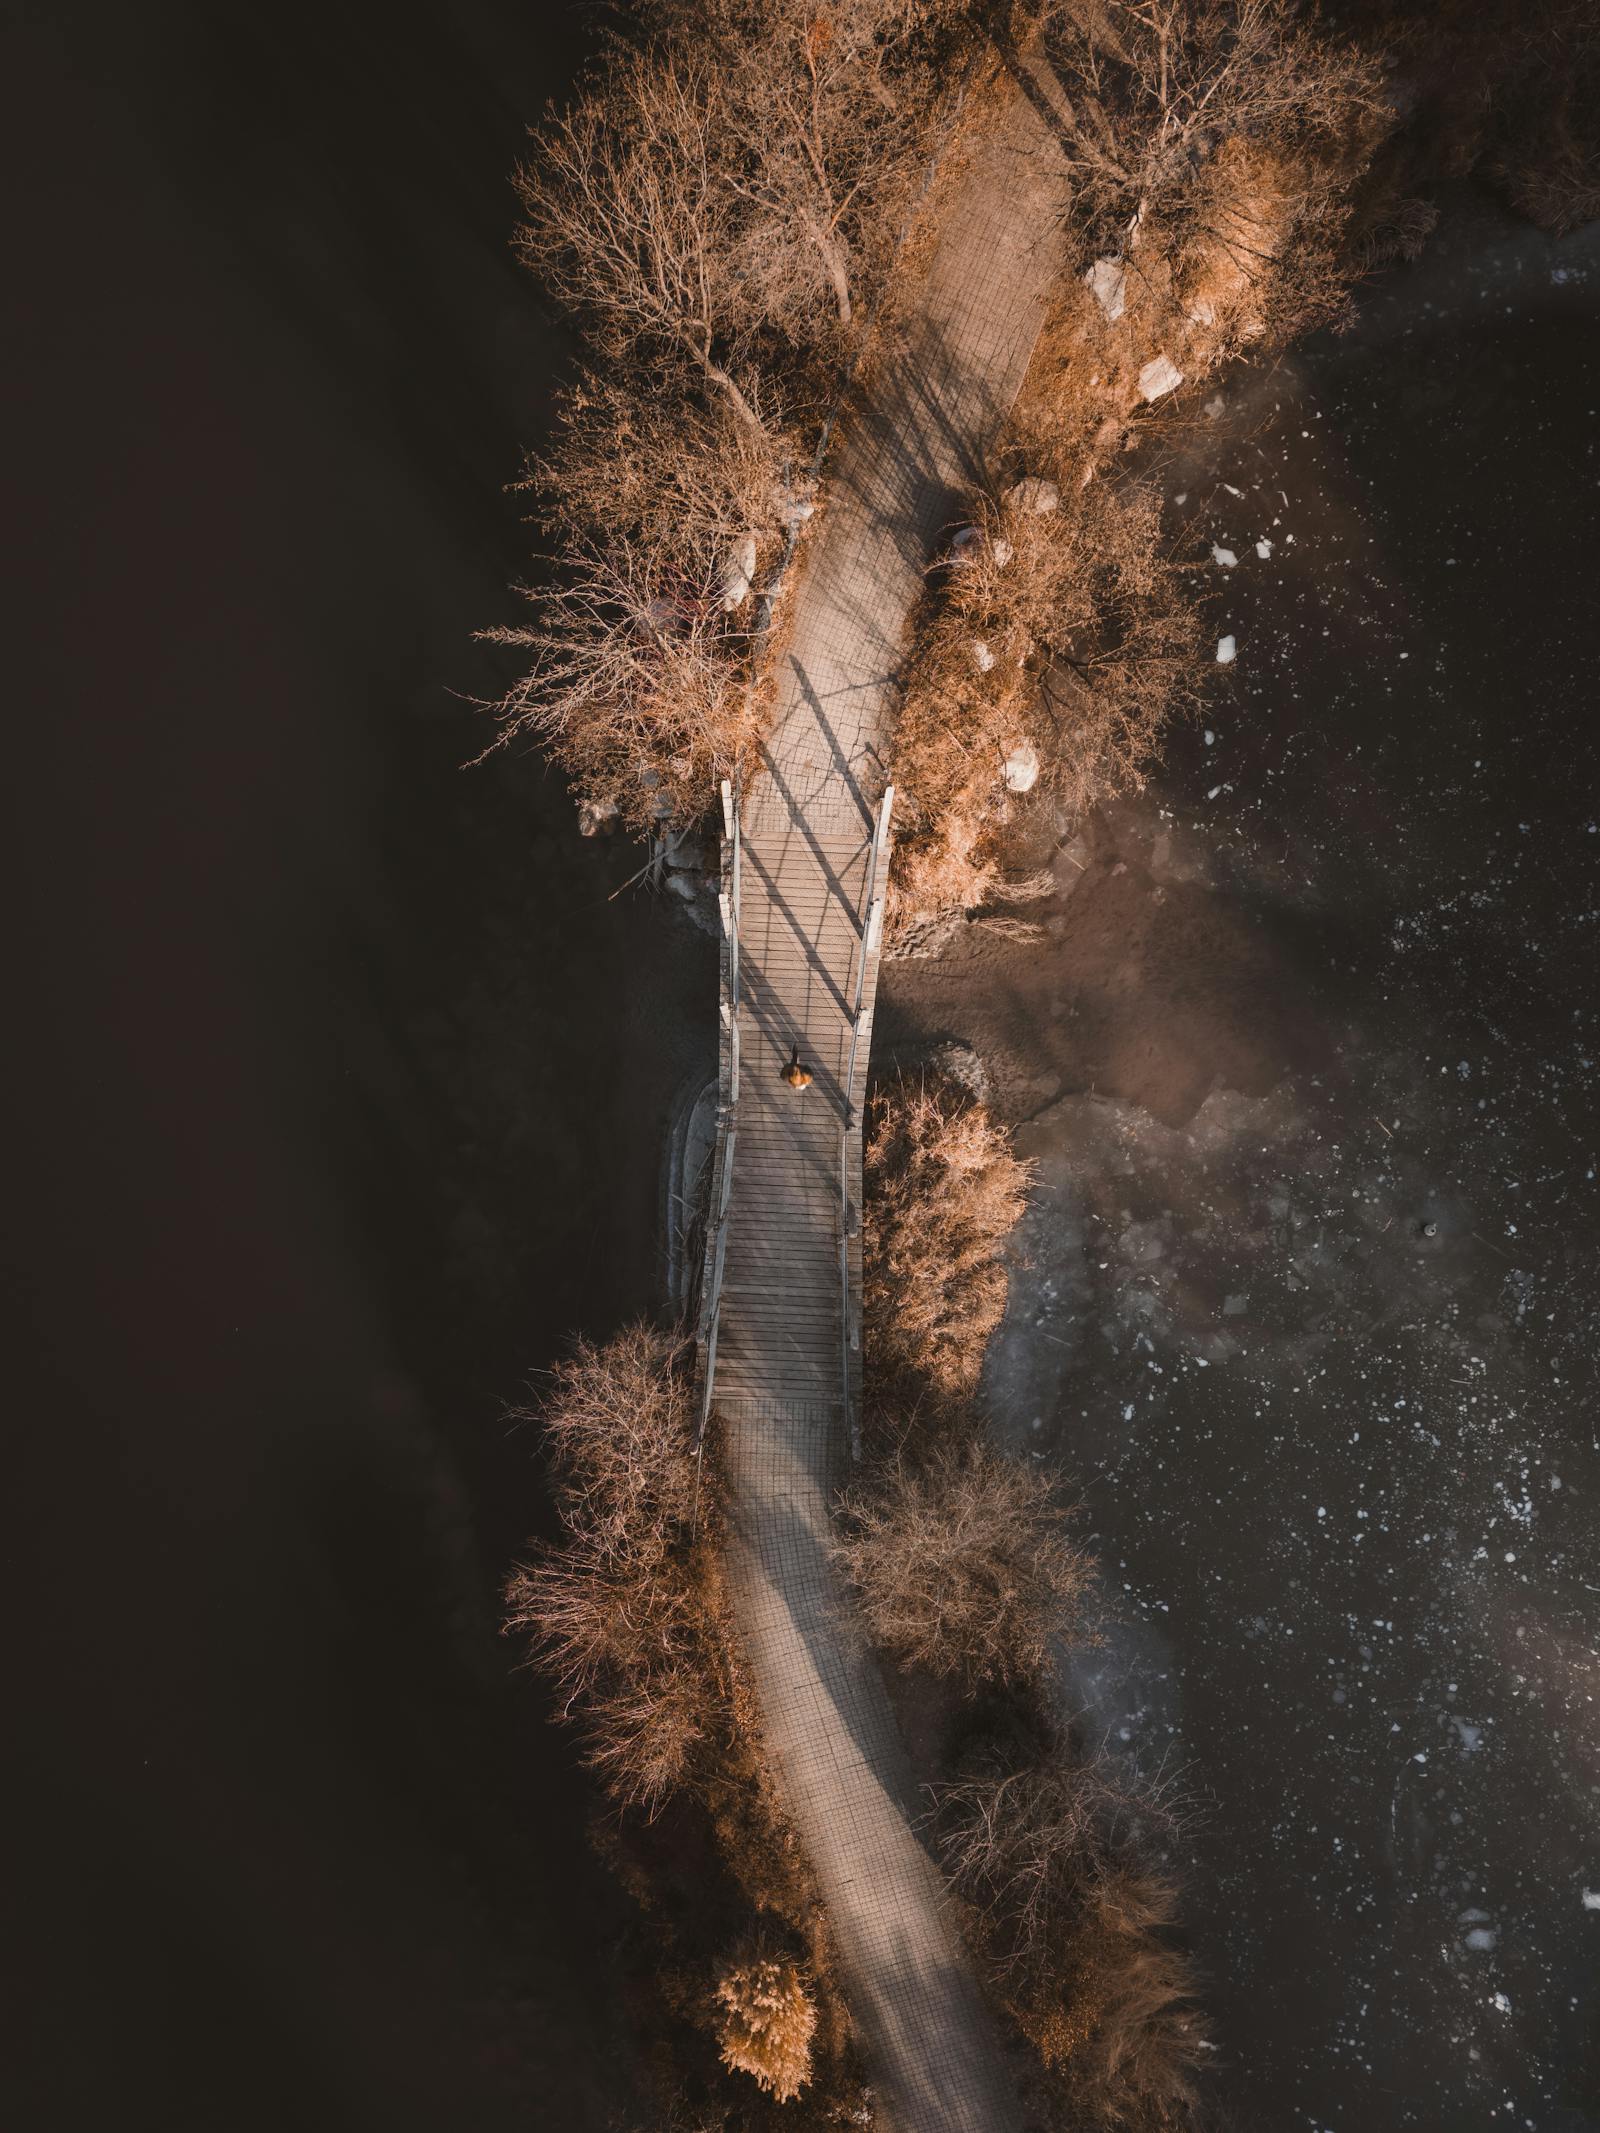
963	1565
632	223
637	684
1150	89
632	458
828	111
624	1614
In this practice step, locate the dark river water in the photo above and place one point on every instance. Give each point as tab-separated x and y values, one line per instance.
340	1085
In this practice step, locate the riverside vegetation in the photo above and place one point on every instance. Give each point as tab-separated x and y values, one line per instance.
726	211
968	1579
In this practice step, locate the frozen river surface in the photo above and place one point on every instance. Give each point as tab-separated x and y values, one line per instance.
1305	1306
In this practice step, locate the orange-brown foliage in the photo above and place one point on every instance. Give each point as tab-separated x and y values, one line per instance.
943	1190
962	1564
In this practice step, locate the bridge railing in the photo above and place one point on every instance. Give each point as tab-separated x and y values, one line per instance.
716	1237
871	924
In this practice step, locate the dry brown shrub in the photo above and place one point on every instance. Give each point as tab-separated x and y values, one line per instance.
633	458
1093	644
629	1616
767	2019
943	1190
1150	89
639	683
641	677
624	1613
1047	1856
962	1564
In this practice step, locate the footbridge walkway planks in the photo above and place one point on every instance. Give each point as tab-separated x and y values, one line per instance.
781	1343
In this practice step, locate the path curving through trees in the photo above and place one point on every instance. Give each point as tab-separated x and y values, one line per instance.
786	1383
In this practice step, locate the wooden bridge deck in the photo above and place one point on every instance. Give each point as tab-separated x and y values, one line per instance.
786	1377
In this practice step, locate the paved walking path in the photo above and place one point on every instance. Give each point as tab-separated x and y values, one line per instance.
786	1378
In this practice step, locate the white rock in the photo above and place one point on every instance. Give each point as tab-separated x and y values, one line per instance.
1264	550
1204	313
1021	768
982	657
1108	286
597	817
1160	375
738	573
1002	551
1034	493
1225	651
963	545
1224	556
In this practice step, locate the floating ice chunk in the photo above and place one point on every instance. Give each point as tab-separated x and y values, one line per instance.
1224	556
1499	2000
1108	282
1264	549
1225	651
1591	1899
1159	376
1210	738
1214	407
1021	769
1471	1736
1482	1938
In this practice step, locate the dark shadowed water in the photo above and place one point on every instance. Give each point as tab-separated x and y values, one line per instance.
339	1086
